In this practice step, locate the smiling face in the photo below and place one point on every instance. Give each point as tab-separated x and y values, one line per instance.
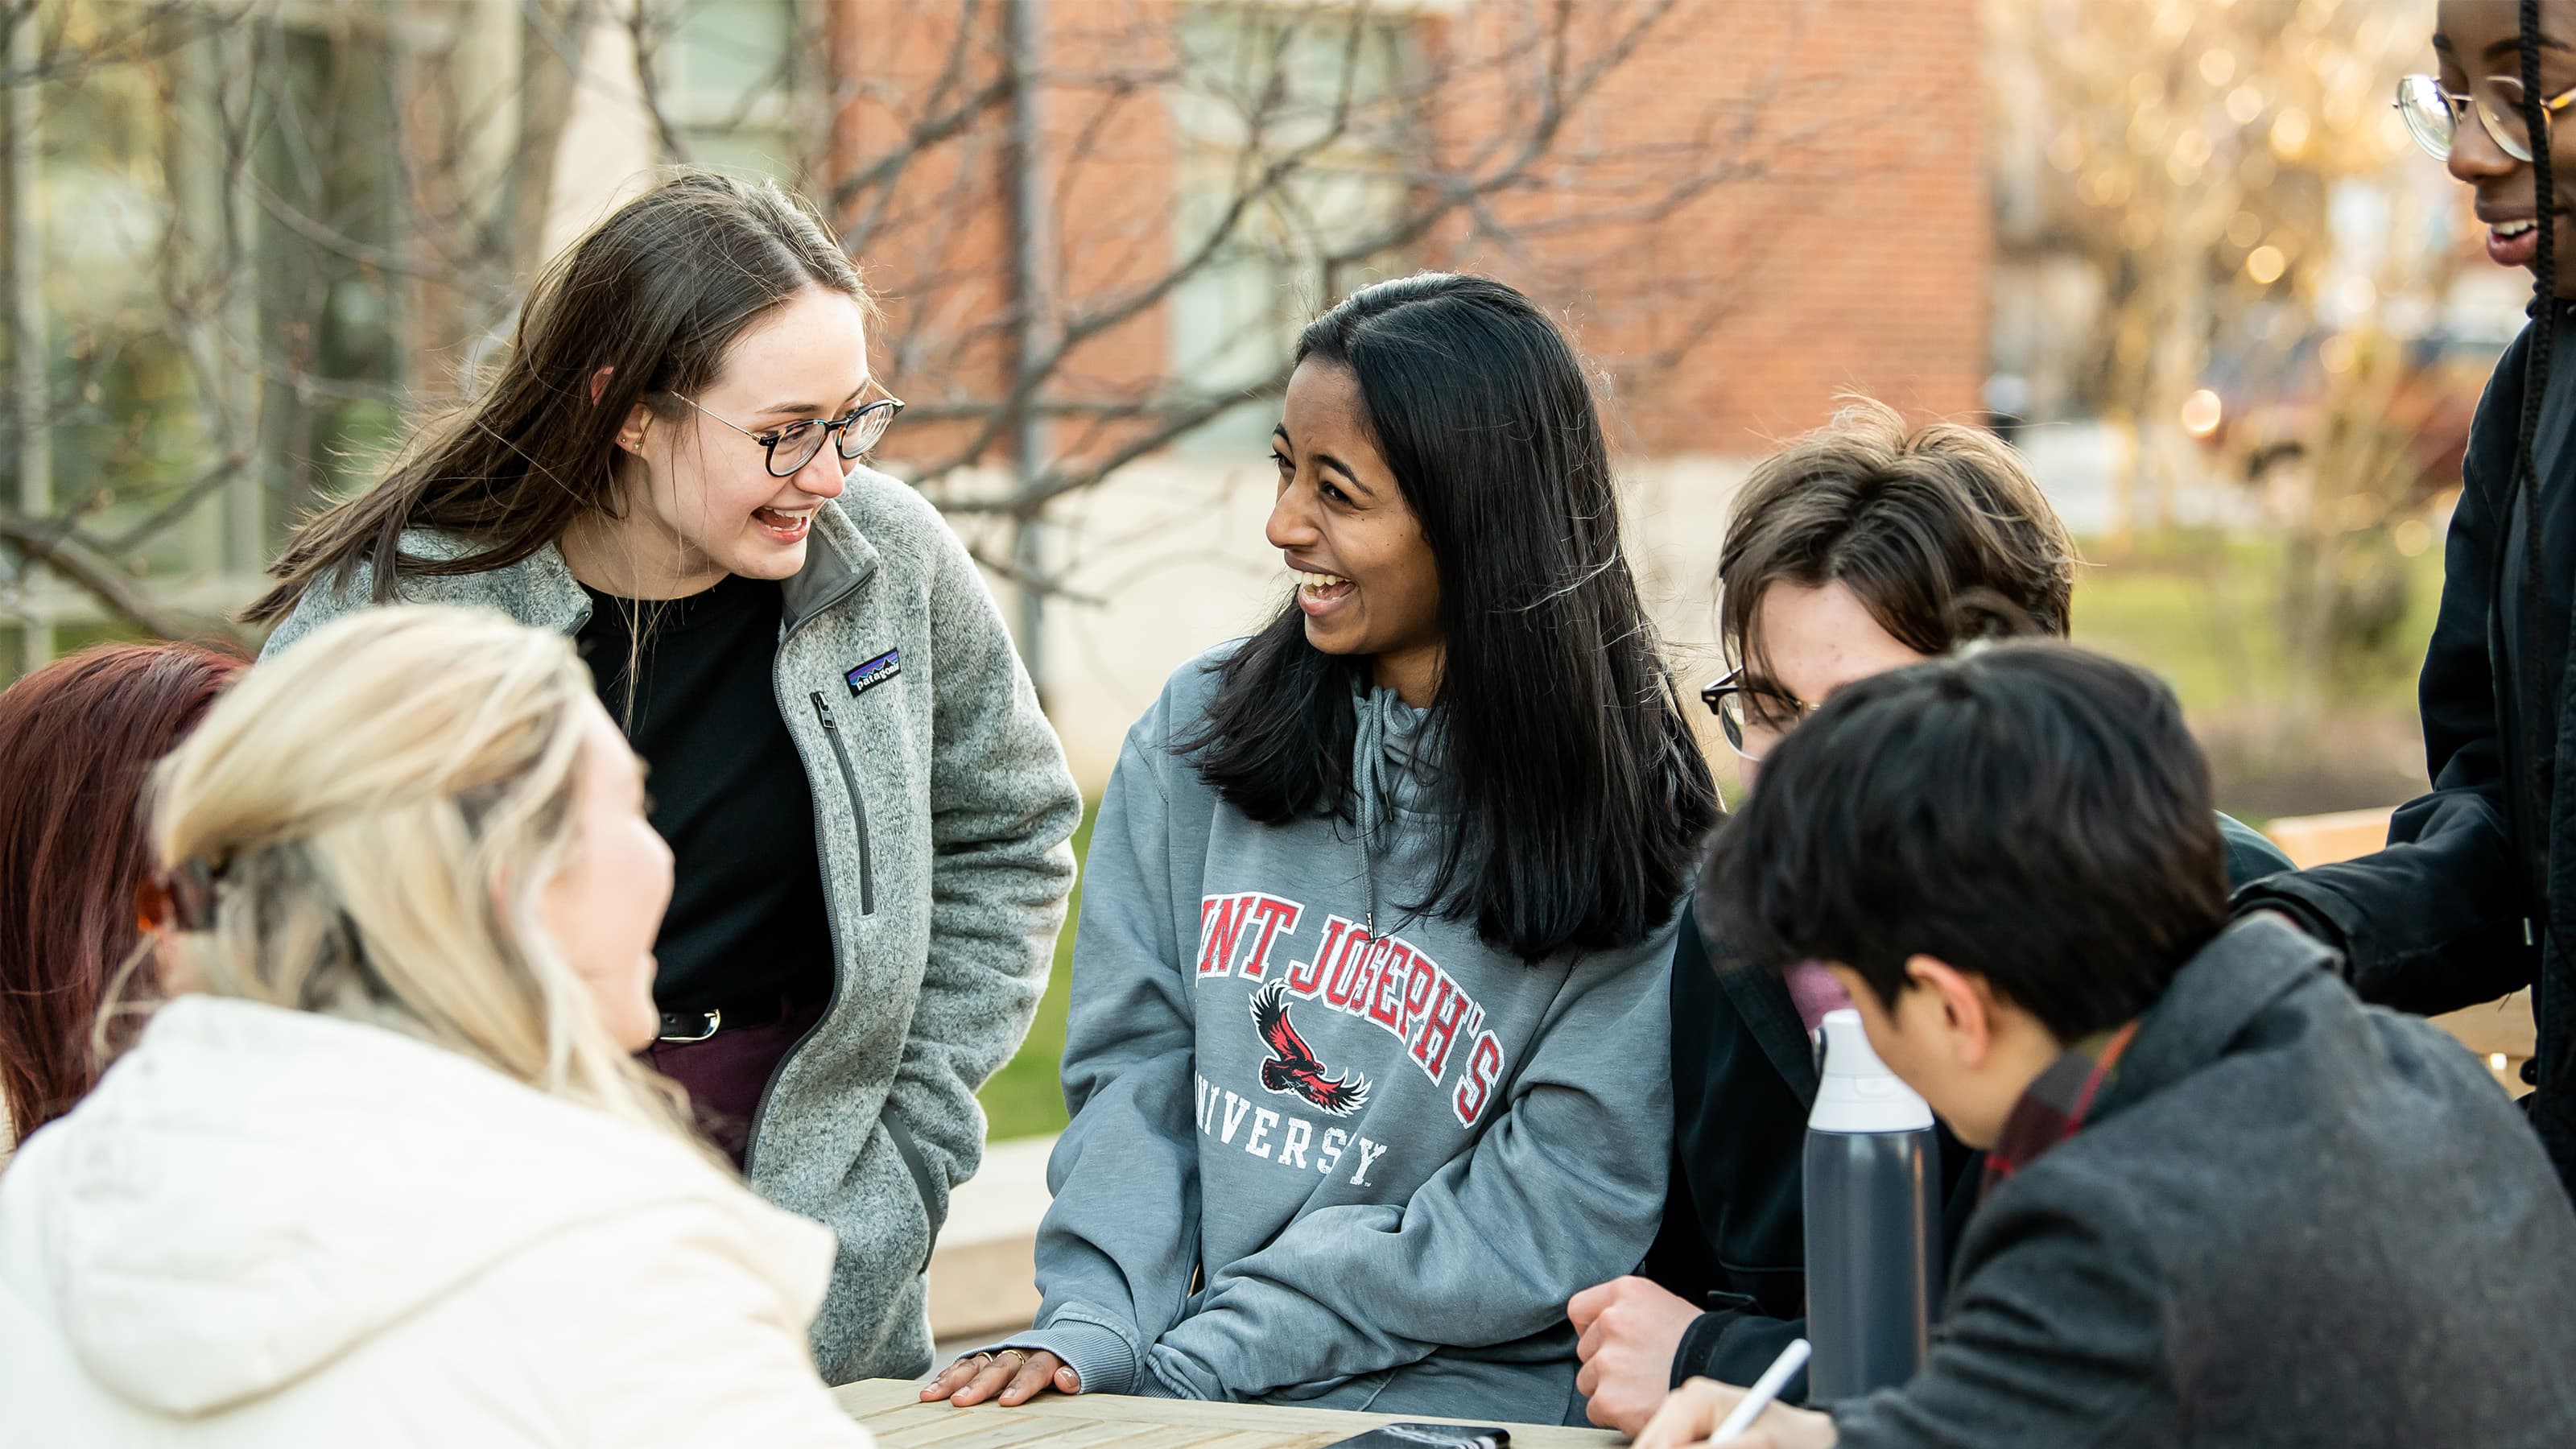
2478	39
700	501
603	910
1366	579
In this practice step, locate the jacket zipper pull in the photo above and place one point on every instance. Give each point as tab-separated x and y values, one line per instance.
825	711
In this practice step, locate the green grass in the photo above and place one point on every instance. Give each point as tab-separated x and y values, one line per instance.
1026	1097
2205	613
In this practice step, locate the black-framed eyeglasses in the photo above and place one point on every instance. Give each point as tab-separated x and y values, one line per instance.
1754	718
2433	113
793	445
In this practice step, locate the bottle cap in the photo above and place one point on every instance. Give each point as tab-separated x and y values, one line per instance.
1856	1092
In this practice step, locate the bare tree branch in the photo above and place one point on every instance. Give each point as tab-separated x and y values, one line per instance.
1059	481
648	80
83	565
1319	146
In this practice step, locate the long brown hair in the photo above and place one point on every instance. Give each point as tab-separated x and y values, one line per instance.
1915	522
657	294
80	737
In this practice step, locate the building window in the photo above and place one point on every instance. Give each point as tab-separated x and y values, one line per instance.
1258	84
734	83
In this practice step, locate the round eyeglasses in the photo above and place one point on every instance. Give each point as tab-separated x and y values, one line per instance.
1753	718
793	445
2433	114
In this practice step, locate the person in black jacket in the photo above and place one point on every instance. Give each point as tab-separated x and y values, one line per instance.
2474	897
1858	549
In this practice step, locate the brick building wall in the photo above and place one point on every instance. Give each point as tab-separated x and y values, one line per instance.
1843	245
1849	254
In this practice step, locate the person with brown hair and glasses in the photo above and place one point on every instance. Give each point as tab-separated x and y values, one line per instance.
1860	548
869	811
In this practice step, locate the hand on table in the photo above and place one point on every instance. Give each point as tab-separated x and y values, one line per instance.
1017	1375
1694	1411
1630	1329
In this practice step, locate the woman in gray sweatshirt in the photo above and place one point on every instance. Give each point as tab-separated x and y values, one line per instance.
1366	1052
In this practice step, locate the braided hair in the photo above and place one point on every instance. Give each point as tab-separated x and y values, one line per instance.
2535	388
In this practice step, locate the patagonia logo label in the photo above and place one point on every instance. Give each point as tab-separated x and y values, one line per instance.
875	672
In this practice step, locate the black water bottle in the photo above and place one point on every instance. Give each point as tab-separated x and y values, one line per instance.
1873	1242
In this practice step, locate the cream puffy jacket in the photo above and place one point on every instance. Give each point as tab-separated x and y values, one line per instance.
280	1229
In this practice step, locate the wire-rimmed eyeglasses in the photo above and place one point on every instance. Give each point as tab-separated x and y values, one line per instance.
1753	717
2433	113
793	445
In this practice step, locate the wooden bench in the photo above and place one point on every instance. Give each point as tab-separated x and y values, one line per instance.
2500	1031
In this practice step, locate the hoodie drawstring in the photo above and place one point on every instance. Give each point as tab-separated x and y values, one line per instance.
1368	757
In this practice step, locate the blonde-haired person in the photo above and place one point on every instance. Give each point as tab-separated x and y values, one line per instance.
869	812
384	1168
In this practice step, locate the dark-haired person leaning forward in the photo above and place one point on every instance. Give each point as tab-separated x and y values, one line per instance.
2225	1203
868	811
1367	1050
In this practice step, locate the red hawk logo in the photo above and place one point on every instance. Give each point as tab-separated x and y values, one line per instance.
1292	1066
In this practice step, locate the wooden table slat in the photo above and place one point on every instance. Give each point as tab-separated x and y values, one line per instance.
942	1426
893	1411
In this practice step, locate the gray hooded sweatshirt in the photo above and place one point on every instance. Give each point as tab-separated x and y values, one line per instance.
942	808
1317	1163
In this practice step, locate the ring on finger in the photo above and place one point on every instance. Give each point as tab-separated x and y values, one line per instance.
1013	1354
983	1360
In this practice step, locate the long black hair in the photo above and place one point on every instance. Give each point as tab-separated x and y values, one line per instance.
1577	796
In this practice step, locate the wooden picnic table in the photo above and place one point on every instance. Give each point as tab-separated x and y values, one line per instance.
893	1411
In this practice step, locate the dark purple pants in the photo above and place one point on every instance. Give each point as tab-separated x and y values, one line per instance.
726	1073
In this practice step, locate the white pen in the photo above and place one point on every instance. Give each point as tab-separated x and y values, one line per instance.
1764	1390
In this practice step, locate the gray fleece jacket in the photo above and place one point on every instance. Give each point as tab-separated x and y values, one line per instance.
2289	1219
1311	1165
942	811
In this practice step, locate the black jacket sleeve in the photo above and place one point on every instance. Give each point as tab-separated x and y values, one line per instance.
1734	1240
2434	922
1731	1240
1734	1346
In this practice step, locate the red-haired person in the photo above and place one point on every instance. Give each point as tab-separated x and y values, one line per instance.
79	737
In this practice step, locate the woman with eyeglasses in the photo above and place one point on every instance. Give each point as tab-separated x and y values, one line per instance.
868	812
1864	547
2472	899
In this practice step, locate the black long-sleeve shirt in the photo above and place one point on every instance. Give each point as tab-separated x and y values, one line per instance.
746	924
